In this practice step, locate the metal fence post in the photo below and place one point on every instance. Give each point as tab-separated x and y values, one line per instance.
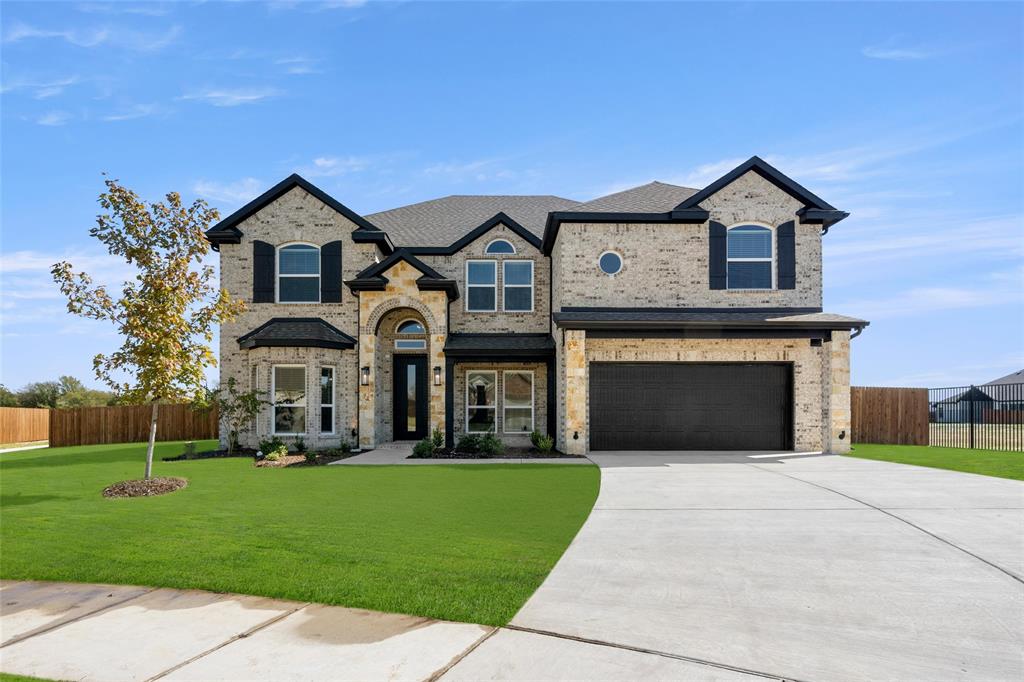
970	407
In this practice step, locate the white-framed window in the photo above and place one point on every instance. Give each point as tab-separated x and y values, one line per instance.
481	286
481	400
750	257
517	401
517	286
500	247
610	263
327	400
298	273
288	388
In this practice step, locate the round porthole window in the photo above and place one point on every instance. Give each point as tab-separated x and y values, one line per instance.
610	263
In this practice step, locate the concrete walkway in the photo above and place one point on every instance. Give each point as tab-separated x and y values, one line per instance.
399	452
803	568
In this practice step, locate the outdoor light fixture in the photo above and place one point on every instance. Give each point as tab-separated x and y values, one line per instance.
364	376
437	376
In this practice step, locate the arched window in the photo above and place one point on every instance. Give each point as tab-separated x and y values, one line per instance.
750	257
407	328
500	247
410	327
298	274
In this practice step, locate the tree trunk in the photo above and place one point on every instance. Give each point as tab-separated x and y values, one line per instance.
152	442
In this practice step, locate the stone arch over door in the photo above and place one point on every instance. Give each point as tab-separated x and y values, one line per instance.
385	355
372	322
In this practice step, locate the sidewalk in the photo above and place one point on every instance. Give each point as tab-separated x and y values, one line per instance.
64	631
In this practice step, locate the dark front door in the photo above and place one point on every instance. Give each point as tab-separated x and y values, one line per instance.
690	406
410	397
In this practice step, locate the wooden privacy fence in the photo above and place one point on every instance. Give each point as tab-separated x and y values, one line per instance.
129	424
894	416
24	424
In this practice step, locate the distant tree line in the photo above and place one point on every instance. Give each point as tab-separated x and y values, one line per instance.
65	392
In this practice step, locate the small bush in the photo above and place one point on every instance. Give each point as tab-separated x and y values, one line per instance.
424	448
437	438
277	453
190	450
345	448
268	446
491	445
310	456
535	436
469	442
545	444
300	445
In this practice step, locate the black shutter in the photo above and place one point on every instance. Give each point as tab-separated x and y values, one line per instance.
785	239
262	272
717	264
330	273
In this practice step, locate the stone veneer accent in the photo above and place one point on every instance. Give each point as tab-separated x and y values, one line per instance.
540	398
431	306
384	370
820	379
454	267
666	265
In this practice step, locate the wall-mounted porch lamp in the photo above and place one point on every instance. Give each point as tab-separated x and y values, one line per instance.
437	376
364	376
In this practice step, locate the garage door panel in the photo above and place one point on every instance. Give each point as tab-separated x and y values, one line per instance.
690	406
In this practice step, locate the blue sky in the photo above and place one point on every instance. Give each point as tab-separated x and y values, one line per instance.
907	115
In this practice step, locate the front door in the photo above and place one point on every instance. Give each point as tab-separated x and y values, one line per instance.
410	397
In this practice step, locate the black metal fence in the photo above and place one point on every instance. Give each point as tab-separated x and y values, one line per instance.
989	417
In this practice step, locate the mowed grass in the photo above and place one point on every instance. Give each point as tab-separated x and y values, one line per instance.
468	543
972	461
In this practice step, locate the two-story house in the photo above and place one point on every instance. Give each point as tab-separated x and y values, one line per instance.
657	318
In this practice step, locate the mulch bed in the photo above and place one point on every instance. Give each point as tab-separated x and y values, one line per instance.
145	487
213	454
510	453
300	461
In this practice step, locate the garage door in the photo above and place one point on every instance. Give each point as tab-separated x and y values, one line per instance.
690	406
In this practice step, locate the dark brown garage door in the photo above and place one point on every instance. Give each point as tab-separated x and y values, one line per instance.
690	406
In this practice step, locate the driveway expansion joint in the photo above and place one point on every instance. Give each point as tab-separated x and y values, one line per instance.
459	657
899	518
655	652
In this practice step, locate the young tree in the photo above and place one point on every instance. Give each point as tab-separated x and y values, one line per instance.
166	314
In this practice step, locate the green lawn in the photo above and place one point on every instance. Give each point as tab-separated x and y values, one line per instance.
468	543
987	462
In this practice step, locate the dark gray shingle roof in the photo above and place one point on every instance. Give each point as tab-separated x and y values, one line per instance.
654	197
441	222
1013	378
296	332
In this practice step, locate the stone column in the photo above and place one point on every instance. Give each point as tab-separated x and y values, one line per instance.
367	394
839	400
575	378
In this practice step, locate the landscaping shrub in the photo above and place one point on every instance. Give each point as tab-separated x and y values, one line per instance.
491	445
437	438
345	448
190	450
310	456
545	444
469	442
424	448
268	446
535	436
277	453
300	445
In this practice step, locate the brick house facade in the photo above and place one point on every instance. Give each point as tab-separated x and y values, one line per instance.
661	317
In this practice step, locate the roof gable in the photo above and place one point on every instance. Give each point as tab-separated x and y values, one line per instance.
477	232
769	173
227	231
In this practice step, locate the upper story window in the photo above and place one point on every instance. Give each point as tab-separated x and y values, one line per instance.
500	247
750	257
517	285
481	286
298	274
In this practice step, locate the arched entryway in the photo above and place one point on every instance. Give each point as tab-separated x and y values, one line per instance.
402	389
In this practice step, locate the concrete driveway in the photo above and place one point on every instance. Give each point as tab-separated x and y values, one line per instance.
711	566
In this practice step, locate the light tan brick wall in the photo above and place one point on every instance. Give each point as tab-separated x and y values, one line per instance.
454	266
296	216
540	398
258	363
580	351
431	306
666	265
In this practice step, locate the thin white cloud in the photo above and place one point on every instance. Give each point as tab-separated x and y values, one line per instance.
149	9
898	54
232	97
135	111
40	88
53	118
921	300
331	166
234	193
95	37
479	170
298	66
